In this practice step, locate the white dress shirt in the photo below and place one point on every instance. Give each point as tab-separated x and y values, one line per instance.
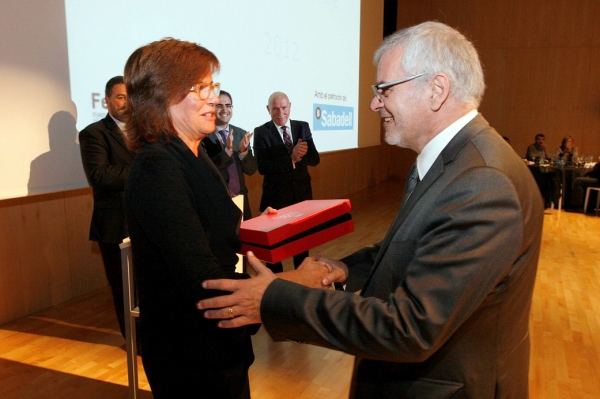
433	149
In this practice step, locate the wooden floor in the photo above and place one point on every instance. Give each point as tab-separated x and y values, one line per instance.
74	350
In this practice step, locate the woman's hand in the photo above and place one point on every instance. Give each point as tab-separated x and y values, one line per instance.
269	211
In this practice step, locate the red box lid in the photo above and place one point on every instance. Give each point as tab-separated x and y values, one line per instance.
269	229
302	244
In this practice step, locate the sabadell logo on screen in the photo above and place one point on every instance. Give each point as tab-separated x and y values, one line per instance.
332	117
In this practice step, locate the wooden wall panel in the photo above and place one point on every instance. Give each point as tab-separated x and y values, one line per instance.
524	92
564	104
591	112
370	38
10	308
540	59
34	256
551	23
45	255
87	270
54	283
41	242
494	68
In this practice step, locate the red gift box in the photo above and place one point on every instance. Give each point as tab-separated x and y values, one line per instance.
296	228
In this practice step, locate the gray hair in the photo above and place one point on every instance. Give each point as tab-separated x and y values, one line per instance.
432	47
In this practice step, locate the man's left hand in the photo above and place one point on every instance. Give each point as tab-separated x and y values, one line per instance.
244	142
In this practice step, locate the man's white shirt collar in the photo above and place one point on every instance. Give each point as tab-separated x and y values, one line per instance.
287	124
120	124
433	149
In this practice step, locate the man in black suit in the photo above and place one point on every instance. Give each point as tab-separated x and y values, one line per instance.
284	150
106	161
229	149
445	300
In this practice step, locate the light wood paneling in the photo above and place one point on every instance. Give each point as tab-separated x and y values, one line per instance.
35	257
87	271
45	255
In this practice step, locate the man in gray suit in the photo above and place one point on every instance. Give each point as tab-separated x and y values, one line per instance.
444	309
106	162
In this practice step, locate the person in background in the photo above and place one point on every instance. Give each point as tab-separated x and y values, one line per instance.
591	179
537	151
229	148
106	162
183	225
284	150
444	309
567	150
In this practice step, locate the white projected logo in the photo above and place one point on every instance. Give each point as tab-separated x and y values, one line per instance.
336	120
332	117
289	215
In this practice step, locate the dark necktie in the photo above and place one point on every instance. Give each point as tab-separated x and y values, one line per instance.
234	179
413	179
287	140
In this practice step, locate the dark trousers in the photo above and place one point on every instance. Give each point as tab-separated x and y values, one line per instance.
278	267
111	257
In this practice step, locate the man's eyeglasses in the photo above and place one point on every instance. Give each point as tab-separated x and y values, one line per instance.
378	89
204	89
221	106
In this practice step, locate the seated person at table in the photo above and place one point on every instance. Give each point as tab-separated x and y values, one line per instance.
591	179
567	150
537	150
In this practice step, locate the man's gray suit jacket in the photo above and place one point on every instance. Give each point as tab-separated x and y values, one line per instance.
445	309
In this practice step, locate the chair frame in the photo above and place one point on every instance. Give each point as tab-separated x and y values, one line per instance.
132	312
587	197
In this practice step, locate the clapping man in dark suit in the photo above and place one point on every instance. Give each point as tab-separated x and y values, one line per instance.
106	161
229	149
444	309
284	150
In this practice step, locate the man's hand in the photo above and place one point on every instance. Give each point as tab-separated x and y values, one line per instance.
229	143
338	270
245	141
242	306
300	149
310	273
